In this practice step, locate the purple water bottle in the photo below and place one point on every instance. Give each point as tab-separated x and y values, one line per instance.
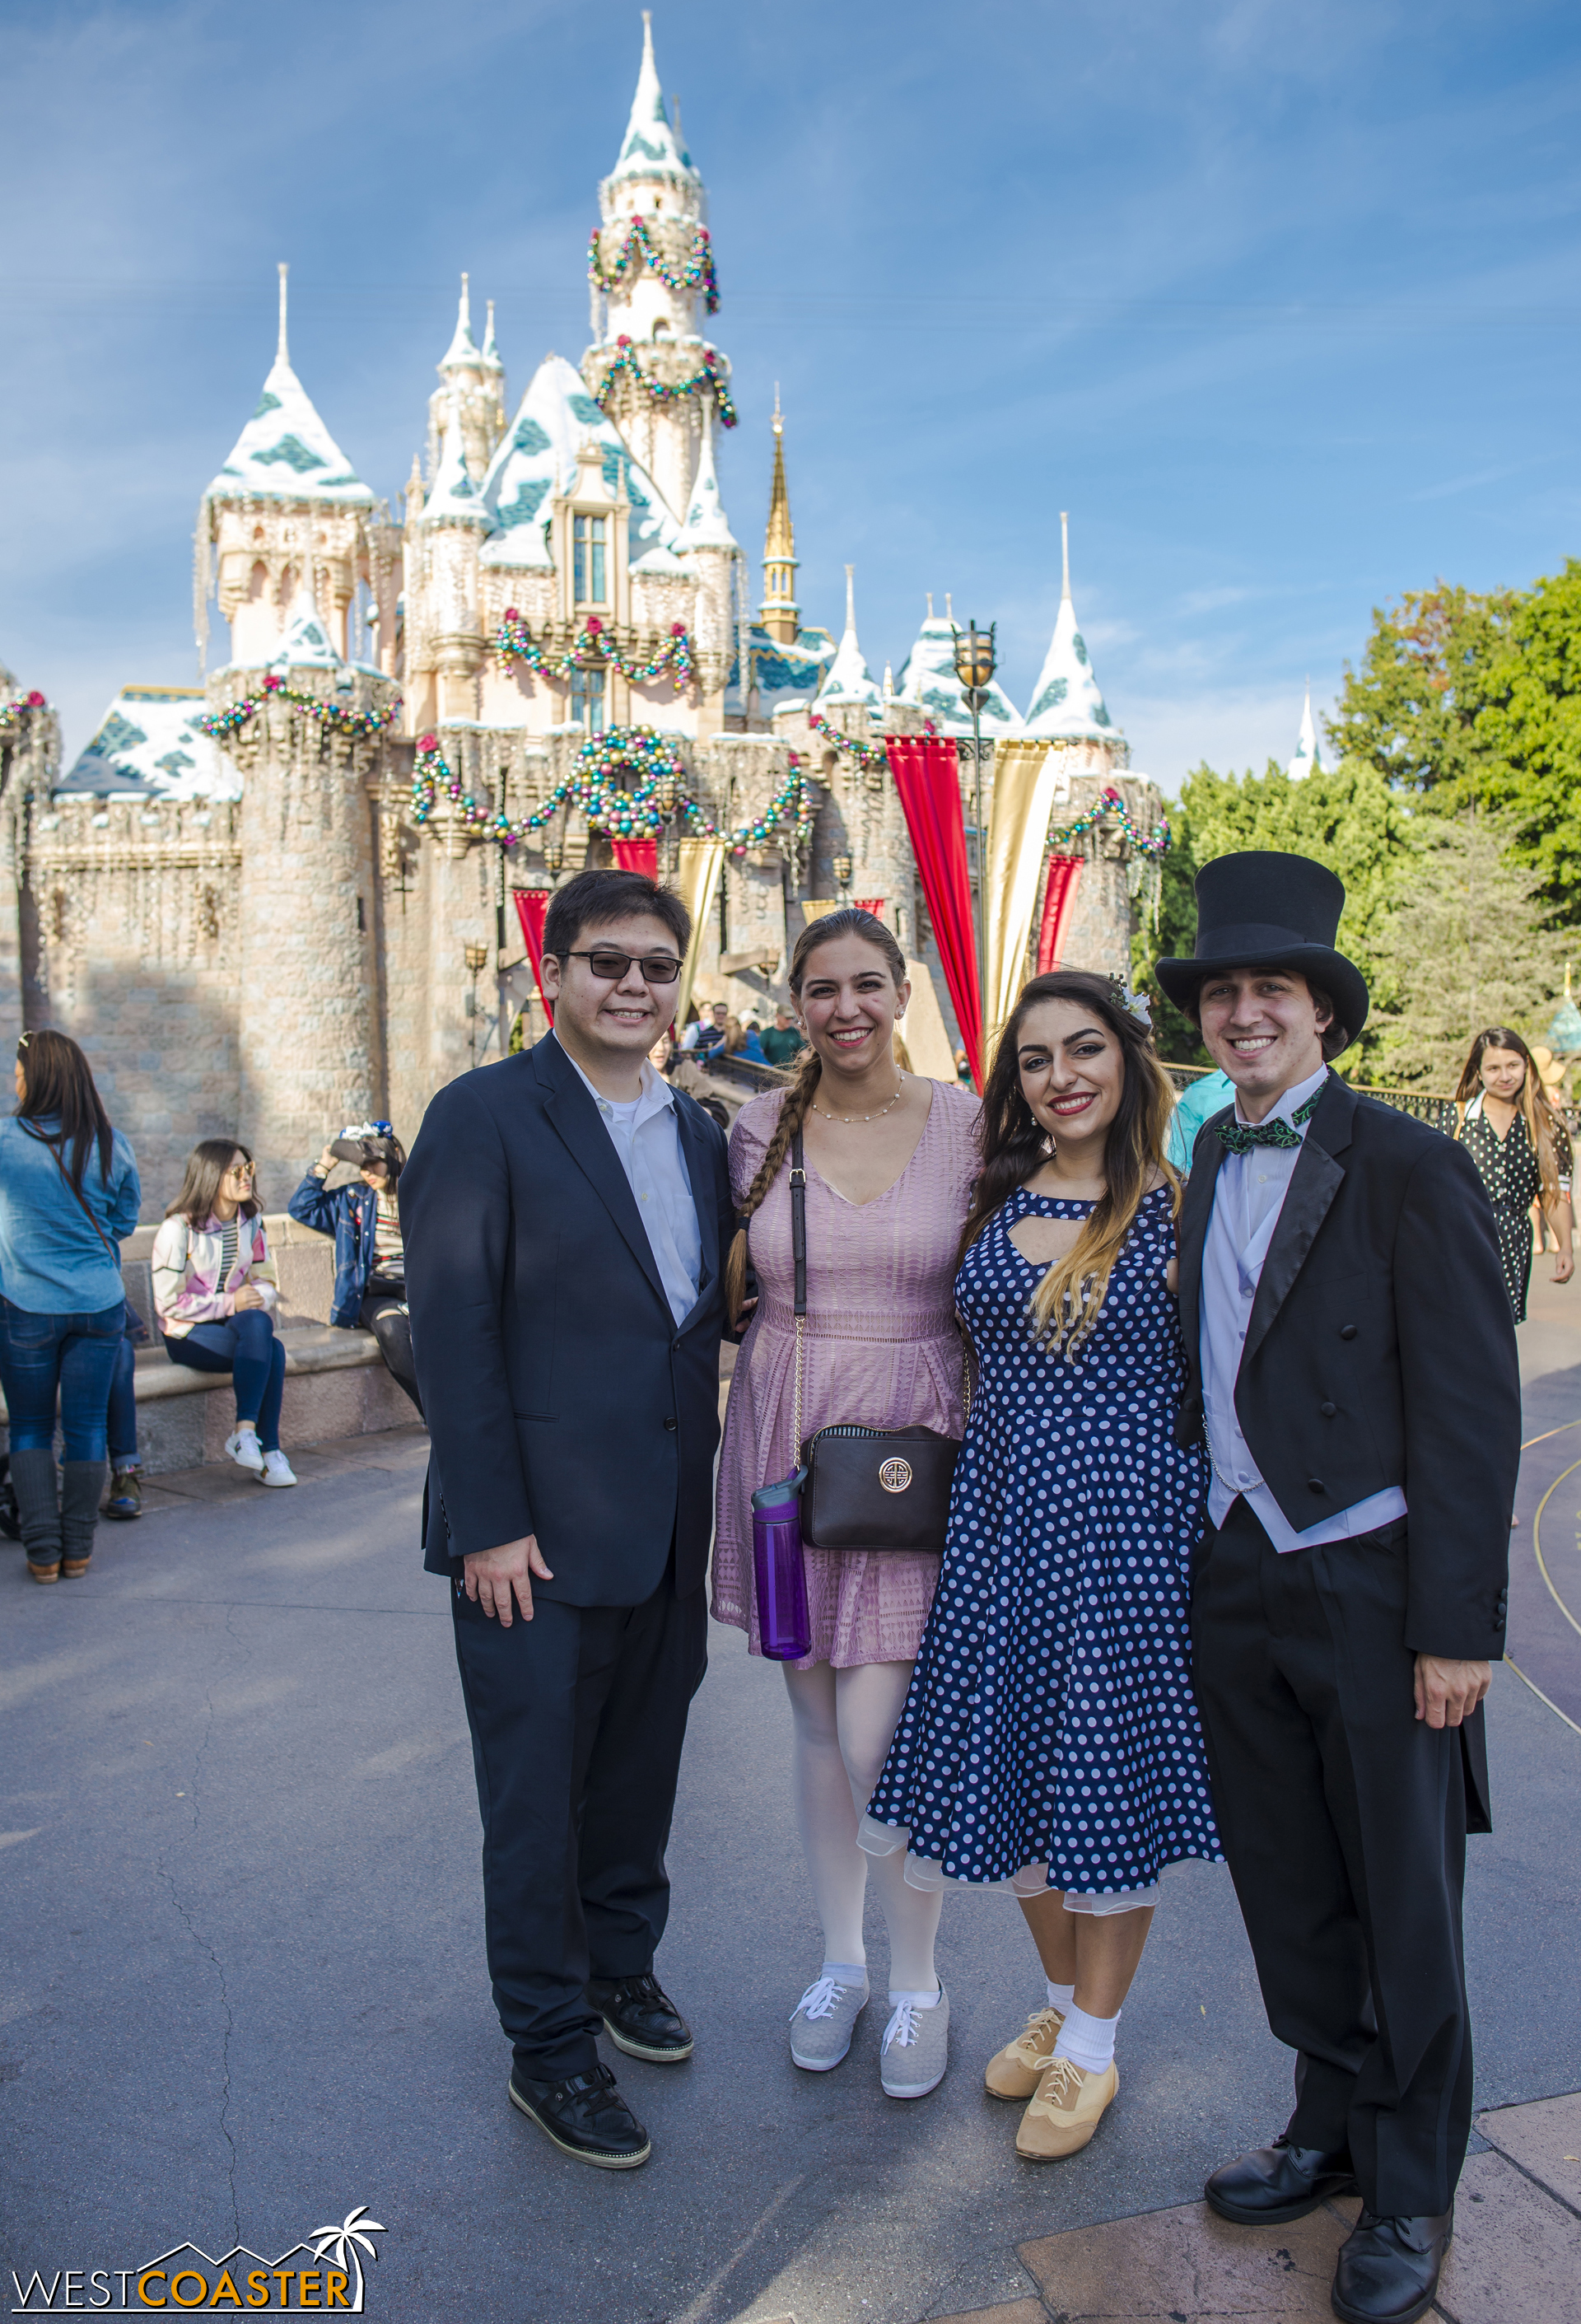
784	1625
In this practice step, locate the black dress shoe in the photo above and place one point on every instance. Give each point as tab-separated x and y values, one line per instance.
640	2018
1278	2182
586	2117
1388	2269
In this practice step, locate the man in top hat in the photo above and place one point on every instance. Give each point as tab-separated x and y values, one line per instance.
1351	1366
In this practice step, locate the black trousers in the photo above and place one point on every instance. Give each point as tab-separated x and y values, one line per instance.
1344	1819
383	1313
577	1721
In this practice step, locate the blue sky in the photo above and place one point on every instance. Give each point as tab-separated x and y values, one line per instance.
1282	303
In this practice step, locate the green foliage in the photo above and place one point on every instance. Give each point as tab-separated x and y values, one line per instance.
1413	709
1465	945
1532	732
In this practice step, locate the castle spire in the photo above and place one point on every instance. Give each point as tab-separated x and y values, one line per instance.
849	680
1305	761
1067	702
491	361
707	525
463	354
651	147
779	613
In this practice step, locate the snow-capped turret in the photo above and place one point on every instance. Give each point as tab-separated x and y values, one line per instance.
471	392
453	498
1306	761
651	148
849	680
928	681
707	525
1067	702
307	643
285	452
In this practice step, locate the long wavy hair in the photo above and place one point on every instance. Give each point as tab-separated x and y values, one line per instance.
206	1164
59	1086
1535	1109
793	1112
1014	1144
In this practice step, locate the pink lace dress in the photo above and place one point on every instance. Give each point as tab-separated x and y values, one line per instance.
880	1346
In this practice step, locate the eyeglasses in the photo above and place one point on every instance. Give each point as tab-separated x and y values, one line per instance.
613	967
240	1170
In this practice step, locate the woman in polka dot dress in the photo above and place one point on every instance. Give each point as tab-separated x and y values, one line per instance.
1050	1741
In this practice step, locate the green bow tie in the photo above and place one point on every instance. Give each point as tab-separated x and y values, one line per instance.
1240	1137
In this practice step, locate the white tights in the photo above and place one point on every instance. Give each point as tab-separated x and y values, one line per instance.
844	1721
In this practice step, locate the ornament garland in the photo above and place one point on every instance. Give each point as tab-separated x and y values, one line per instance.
657	795
221	724
697	273
15	713
595	647
1110	803
872	759
659	391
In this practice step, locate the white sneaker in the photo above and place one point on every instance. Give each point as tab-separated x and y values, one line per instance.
917	2049
822	2021
241	1446
277	1470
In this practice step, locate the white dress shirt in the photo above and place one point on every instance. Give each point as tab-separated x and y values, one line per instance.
1248	1197
646	1136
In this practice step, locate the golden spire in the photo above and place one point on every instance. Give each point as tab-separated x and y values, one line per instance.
779	613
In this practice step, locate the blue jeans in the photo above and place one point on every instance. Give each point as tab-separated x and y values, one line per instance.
122	1429
245	1346
72	1356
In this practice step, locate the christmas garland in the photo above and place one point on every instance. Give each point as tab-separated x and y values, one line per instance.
221	724
871	760
15	713
659	391
637	250
658	794
1110	803
594	648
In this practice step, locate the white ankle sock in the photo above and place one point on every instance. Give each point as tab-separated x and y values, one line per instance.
921	2000
1088	2041
1060	1996
845	1973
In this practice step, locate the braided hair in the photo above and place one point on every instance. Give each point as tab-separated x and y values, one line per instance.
798	1097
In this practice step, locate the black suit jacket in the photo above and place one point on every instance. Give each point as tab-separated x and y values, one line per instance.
1381	1352
562	1397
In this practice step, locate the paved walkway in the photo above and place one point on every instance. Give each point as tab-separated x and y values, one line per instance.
242	1987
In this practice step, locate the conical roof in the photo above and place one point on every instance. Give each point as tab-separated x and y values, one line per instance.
928	679
455	499
1067	701
707	525
492	359
538	453
285	452
1305	761
150	745
651	147
849	680
307	643
463	352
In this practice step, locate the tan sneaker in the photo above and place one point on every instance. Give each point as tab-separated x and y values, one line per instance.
1068	2108
1015	2070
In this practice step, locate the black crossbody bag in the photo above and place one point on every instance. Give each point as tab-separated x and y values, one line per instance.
867	1489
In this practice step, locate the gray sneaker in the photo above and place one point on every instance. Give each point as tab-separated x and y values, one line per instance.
823	2022
917	2049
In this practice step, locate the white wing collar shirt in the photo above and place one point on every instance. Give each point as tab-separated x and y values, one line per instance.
646	1136
1247	1199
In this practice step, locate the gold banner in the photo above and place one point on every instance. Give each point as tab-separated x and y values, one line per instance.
819	907
1024	797
697	882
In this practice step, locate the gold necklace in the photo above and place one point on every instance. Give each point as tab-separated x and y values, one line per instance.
850	1117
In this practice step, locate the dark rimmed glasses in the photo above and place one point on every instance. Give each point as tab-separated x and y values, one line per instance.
613	967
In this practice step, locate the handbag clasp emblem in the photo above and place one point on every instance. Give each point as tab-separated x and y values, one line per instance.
895	1475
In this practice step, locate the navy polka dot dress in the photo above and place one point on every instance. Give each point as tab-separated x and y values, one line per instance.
1050	1719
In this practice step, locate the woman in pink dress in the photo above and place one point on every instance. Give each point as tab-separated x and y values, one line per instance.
890	1161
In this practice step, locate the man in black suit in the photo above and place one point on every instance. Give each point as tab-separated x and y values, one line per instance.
1352	1367
566	1215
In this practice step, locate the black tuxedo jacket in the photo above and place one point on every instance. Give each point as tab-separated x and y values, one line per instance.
1381	1352
562	1397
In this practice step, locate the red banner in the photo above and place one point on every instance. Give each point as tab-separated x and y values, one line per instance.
637	855
929	785
874	904
1058	907
531	904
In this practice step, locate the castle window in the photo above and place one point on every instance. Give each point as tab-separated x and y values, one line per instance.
587	690
588	560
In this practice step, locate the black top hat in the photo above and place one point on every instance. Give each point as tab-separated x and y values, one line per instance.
1267	910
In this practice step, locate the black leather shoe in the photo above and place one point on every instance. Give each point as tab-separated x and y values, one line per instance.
1388	2269
586	2117
640	2018
1278	2182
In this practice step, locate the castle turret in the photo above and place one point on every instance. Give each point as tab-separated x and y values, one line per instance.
444	638
849	680
471	394
1306	761
779	613
651	267
1067	702
286	512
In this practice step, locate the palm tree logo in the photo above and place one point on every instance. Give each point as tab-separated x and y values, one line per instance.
342	2246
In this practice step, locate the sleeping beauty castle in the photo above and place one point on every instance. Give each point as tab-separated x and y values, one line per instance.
312	889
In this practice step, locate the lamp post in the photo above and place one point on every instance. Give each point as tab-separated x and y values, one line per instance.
476	956
974	667
843	872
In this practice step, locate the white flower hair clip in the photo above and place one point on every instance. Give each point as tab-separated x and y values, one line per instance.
1135	1004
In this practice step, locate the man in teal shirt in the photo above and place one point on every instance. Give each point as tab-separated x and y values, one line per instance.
782	1044
1197	1102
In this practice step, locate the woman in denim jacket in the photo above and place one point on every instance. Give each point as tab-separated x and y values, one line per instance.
369	1254
214	1294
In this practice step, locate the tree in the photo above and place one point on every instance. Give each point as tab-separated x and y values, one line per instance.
1530	730
1465	945
1413	709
